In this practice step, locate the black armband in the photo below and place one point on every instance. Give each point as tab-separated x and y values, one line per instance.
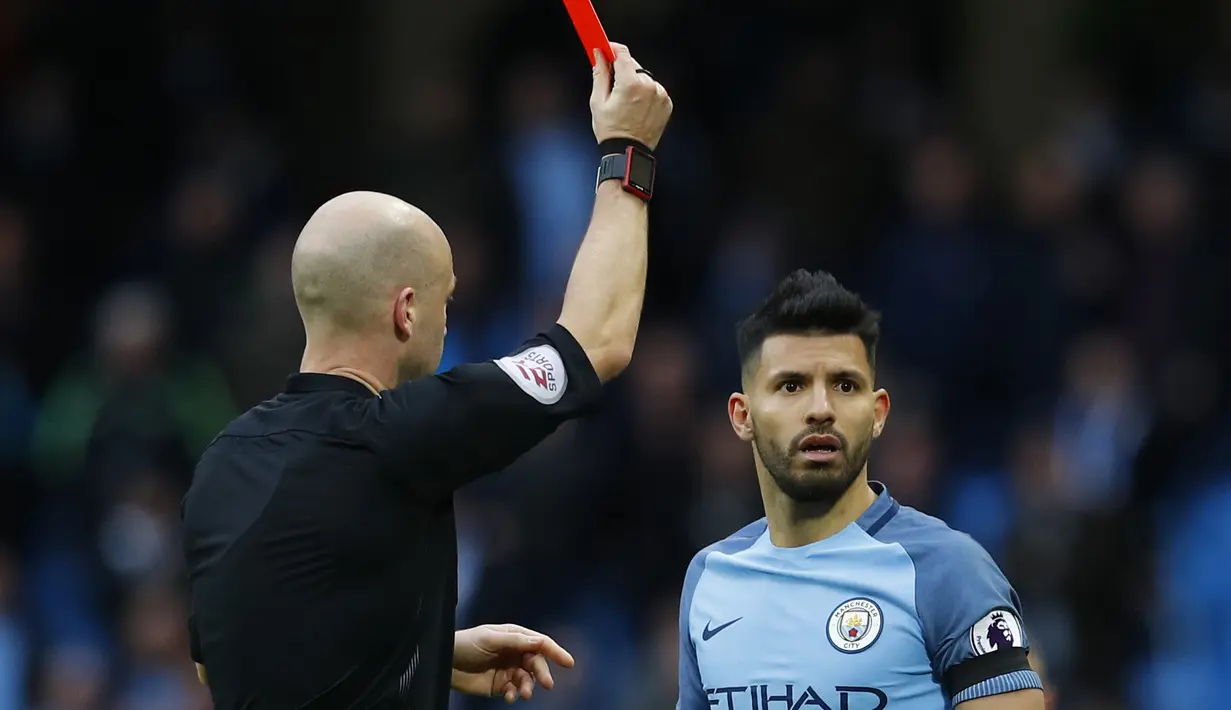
974	671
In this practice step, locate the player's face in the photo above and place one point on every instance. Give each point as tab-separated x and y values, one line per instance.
811	413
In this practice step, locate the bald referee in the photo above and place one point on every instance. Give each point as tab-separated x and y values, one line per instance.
319	531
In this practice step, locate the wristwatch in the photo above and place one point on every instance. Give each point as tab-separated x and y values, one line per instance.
634	166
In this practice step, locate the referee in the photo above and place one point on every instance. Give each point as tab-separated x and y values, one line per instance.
319	532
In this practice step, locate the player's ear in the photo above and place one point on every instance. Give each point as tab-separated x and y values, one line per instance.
880	412
740	415
404	314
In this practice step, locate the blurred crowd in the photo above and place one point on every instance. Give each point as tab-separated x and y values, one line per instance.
1057	337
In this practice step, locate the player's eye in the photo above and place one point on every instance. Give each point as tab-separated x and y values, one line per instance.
791	386
847	386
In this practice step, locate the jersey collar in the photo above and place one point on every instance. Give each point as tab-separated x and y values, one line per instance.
322	382
880	512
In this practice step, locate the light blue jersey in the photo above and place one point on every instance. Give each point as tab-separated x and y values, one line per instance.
897	611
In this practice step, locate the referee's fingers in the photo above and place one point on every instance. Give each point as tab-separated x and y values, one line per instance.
515	629
538	665
546	646
527	641
525	683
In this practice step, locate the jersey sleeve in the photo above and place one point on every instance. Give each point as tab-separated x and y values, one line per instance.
692	695
440	432
972	622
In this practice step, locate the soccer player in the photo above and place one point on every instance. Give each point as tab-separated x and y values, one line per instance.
839	598
319	531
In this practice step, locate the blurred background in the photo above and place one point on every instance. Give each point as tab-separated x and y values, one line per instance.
1035	194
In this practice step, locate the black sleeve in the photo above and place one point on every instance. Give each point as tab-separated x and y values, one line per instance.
194	641
438	433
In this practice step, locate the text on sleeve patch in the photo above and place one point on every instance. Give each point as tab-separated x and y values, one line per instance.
538	371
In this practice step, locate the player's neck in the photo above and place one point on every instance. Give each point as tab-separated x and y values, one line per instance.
349	360
795	524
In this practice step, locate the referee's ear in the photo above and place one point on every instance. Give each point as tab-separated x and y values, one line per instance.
740	415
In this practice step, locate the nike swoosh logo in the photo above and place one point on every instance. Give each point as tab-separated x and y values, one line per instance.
709	633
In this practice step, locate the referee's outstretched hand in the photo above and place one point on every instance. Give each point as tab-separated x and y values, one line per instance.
504	659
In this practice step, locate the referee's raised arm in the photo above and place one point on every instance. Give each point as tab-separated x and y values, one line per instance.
427	426
319	535
602	305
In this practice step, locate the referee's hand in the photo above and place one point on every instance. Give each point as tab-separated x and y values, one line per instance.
504	659
627	102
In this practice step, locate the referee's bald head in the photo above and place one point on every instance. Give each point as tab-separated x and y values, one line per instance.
372	272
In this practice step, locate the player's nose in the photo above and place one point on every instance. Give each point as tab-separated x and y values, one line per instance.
820	407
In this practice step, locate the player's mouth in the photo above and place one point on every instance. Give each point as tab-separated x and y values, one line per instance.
821	448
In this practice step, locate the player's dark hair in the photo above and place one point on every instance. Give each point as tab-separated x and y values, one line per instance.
808	302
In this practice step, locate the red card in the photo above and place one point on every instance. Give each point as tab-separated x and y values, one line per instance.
589	29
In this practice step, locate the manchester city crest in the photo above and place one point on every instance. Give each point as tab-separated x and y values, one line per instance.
855	625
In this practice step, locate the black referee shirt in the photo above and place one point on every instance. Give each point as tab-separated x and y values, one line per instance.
319	533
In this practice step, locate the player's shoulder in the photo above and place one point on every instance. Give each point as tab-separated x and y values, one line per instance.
934	547
737	541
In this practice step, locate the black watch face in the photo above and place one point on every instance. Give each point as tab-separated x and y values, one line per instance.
641	172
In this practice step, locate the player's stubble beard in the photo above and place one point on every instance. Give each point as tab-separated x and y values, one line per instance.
819	483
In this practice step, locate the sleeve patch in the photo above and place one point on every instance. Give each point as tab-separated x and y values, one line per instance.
538	371
998	631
